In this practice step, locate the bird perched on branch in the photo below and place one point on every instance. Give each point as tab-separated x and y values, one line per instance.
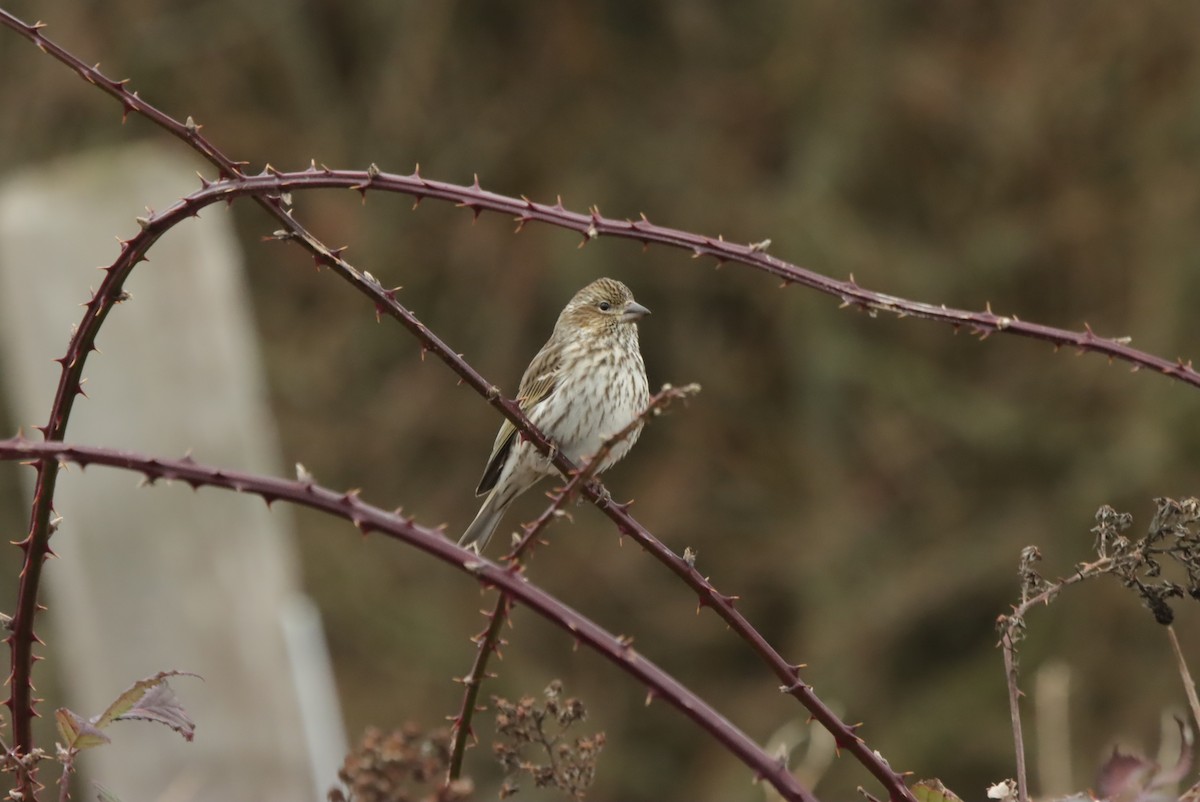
586	384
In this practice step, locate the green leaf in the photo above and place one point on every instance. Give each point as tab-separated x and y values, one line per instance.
933	791
77	732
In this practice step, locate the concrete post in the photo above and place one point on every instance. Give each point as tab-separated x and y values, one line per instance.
163	578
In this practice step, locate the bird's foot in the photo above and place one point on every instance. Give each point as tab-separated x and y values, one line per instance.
602	494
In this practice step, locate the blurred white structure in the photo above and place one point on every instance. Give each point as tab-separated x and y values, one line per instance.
164	577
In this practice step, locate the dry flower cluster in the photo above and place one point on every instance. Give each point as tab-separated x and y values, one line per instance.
404	765
570	764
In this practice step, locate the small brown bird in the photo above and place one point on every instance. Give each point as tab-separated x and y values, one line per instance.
586	384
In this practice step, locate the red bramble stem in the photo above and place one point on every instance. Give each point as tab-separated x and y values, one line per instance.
368	518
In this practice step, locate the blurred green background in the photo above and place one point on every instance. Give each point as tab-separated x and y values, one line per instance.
865	485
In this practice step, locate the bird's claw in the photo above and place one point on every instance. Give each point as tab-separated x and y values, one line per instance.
602	494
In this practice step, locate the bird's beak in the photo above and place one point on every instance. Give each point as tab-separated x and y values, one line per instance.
634	311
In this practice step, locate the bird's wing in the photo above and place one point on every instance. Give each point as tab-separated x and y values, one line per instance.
539	381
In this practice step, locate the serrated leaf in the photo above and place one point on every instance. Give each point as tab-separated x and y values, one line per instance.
77	732
933	791
150	699
160	704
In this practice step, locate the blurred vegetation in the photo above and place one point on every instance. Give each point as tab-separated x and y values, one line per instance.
864	485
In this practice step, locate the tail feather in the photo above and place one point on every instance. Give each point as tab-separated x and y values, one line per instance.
480	531
510	485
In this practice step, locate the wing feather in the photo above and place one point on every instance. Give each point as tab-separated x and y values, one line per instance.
538	384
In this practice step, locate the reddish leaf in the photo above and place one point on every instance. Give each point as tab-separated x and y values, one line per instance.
150	699
1129	778
1123	776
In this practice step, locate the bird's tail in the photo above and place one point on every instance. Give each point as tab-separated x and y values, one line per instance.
485	523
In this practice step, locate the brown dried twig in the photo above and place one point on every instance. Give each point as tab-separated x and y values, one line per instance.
1174	533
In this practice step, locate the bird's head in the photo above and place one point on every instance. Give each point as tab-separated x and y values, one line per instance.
605	303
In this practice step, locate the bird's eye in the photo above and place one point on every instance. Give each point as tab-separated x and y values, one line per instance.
605	306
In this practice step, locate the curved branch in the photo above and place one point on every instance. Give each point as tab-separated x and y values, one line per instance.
593	225
368	518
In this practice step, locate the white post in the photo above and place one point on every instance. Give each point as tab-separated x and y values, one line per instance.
162	578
